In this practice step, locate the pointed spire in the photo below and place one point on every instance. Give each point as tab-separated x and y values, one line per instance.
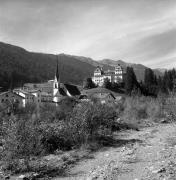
57	70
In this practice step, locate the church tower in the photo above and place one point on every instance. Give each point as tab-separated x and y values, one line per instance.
56	84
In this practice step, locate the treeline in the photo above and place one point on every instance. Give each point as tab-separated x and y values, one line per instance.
152	85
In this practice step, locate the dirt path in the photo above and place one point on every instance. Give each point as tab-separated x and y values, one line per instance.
147	154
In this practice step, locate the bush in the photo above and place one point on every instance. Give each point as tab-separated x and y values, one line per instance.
89	121
86	123
21	140
35	132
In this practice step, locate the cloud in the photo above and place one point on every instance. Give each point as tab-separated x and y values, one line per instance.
156	46
133	30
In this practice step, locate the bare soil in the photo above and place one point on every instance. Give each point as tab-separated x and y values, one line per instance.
148	154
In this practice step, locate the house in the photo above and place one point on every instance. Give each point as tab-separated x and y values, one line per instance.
43	87
116	75
46	97
105	98
9	98
84	98
28	98
101	94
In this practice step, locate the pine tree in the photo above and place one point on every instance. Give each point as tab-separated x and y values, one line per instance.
149	77
88	83
107	84
150	82
130	80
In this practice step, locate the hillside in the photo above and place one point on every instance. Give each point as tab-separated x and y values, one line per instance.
26	66
18	66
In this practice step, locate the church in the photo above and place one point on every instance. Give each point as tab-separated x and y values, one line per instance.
52	91
63	89
116	75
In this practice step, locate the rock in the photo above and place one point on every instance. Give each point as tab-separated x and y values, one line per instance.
23	177
7	177
164	121
161	170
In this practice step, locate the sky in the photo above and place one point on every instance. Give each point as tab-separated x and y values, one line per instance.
135	31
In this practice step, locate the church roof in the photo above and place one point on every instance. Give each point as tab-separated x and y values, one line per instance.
60	92
72	89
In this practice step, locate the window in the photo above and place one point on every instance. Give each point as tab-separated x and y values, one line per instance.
7	95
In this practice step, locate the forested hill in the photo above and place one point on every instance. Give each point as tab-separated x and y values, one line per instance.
18	66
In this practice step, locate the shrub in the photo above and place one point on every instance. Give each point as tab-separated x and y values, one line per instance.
21	140
89	121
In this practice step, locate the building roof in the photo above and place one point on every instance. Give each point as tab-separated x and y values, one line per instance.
45	94
104	95
12	93
108	74
61	92
100	90
23	91
72	89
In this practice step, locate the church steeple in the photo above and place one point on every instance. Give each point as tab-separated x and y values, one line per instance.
56	84
57	71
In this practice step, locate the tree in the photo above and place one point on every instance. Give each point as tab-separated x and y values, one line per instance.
107	84
149	77
88	84
130	80
150	82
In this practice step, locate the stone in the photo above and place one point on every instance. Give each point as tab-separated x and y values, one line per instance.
23	177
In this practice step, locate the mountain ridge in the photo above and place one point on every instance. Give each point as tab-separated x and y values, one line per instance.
24	66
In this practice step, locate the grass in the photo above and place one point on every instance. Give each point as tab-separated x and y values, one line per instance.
141	111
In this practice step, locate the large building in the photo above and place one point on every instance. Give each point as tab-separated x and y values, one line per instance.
116	75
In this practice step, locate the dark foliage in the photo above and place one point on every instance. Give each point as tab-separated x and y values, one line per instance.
88	83
18	66
131	83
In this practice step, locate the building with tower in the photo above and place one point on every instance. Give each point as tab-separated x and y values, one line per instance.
52	91
116	75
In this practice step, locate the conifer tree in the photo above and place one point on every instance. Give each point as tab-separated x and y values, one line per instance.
88	83
130	80
107	84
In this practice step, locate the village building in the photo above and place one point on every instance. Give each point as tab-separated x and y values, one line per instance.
49	92
105	98
30	97
10	98
116	75
103	95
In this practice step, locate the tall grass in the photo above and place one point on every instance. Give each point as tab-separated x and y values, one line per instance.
139	108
